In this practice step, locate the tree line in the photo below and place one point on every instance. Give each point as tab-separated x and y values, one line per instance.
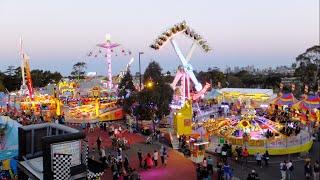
11	78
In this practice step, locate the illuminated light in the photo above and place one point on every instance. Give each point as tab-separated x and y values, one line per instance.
149	84
179	114
200	143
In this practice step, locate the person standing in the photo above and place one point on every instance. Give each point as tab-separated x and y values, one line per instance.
283	170
307	170
161	155
259	159
165	156
210	165
204	163
99	143
126	163
253	175
227	171
198	172
149	161
316	169
103	156
289	169
140	158
219	170
218	150
155	157
224	150
245	154
266	158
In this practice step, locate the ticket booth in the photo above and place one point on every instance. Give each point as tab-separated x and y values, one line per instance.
183	119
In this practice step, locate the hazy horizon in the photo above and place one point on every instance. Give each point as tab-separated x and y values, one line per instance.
59	33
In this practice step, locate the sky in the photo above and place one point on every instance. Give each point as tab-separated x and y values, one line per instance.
59	33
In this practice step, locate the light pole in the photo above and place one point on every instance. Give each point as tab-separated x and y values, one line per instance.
140	71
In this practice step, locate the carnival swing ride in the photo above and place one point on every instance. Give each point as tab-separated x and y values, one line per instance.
110	49
100	101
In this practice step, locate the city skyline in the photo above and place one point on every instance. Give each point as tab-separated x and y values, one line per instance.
263	34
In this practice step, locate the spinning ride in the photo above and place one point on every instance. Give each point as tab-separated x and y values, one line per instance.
258	134
185	71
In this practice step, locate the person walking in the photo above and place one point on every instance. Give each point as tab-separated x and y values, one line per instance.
289	169
140	158
259	159
283	170
316	169
266	158
155	158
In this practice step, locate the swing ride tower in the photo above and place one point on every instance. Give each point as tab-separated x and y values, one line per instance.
108	46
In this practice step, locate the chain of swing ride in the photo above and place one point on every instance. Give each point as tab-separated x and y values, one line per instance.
96	51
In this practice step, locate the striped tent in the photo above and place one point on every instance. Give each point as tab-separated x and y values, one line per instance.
308	103
287	99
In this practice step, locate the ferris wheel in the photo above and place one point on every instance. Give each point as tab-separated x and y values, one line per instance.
109	49
185	71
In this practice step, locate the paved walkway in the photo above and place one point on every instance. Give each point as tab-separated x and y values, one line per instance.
178	166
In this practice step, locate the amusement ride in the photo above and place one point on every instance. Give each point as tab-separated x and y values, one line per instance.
25	72
185	70
110	49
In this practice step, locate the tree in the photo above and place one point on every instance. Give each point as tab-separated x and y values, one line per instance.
12	78
212	76
10	70
42	78
153	71
79	70
127	92
156	97
308	67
